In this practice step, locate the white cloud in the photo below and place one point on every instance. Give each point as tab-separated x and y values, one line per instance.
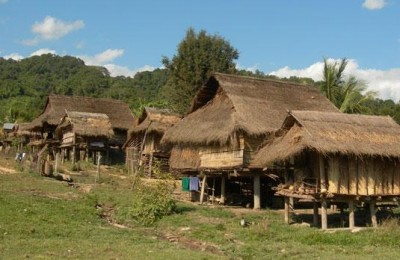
103	58
116	70
385	82
52	29
3	1
42	51
14	56
253	68
374	4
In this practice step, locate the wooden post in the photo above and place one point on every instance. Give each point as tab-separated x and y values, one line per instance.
73	151
150	164
203	187
222	190
322	175
257	201
372	209
324	215
56	164
351	214
98	168
315	214
287	210
213	191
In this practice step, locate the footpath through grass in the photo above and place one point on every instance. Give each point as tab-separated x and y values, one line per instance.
42	218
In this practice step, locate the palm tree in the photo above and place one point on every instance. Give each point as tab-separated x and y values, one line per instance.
347	95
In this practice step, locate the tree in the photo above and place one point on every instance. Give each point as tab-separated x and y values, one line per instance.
347	95
199	54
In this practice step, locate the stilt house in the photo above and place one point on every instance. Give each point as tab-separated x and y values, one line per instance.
338	158
118	113
229	118
143	148
83	133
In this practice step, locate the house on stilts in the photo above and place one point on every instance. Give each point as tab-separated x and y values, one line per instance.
82	134
118	113
144	151
345	159
229	119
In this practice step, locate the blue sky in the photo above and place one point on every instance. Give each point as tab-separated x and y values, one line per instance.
281	37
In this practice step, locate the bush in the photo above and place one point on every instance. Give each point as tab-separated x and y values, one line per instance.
152	202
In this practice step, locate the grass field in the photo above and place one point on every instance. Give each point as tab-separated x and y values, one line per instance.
42	218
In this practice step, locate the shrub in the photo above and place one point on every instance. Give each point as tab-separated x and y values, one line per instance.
152	202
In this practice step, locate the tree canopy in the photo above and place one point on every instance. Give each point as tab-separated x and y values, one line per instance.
198	55
349	95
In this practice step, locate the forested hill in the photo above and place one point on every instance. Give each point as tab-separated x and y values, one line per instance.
25	84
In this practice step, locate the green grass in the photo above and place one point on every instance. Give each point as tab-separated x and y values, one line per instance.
42	218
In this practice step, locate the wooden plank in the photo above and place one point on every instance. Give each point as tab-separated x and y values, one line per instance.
371	177
385	183
362	178
322	174
387	170
352	176
333	175
344	175
396	176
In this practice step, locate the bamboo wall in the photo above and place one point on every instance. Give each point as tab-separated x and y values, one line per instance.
370	176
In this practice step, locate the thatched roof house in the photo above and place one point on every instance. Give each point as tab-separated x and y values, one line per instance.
333	133
336	158
86	124
144	138
118	113
231	108
154	120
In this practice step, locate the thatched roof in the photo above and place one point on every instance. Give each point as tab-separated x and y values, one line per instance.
330	133
87	124
155	120
117	111
229	103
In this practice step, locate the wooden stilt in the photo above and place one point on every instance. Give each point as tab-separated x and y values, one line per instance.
351	214
315	214
257	200
222	201
203	187
324	215
287	209
372	210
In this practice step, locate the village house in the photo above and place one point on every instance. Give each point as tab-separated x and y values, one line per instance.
118	113
335	158
84	135
229	119
143	149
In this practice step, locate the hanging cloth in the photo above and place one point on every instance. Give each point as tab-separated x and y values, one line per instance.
185	183
194	183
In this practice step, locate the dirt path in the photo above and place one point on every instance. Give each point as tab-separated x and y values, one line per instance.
6	170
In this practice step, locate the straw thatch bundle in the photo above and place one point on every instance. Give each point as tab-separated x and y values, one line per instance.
117	111
155	120
86	124
229	104
330	133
